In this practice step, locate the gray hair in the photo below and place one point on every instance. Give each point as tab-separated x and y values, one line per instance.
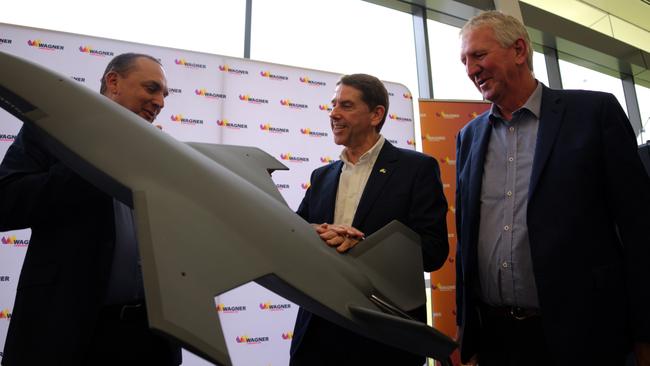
507	30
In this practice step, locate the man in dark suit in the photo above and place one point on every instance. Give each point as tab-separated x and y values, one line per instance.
373	184
80	298
552	209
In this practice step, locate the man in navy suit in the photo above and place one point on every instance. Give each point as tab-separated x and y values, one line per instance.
80	298
373	184
552	215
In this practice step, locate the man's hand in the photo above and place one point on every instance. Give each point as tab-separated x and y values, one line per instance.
342	237
642	353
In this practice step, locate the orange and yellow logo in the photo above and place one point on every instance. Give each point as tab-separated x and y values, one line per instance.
287	335
305	185
325	107
410	142
407	96
294	159
325	159
5	314
447	115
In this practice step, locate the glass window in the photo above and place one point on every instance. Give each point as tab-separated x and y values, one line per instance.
579	77
340	36
202	25
450	80
539	66
643	98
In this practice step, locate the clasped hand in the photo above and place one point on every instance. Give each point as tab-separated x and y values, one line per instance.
342	237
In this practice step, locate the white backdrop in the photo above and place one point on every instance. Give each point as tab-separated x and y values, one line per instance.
282	110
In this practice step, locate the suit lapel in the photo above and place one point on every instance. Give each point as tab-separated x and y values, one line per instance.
329	189
476	161
382	170
549	125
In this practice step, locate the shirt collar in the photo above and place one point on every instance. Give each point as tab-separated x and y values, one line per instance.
368	156
533	105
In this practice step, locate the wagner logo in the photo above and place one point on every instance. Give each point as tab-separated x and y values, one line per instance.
5	279
287	335
447	115
249	99
395	117
310	133
325	159
446	185
227	124
408	96
209	95
448	161
230	70
410	142
79	79
309	81
12	240
268	128
305	185
442	287
5	41
472	115
251	340
93	52
185	121
452	209
435	138
187	64
391	94
175	91
221	308
294	159
44	46
5	314
394	142
282	186
7	137
325	107
269	75
274	307
290	104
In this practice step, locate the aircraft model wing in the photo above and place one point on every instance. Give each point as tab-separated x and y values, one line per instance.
205	224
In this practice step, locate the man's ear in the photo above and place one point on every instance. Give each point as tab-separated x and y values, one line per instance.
378	115
112	80
521	51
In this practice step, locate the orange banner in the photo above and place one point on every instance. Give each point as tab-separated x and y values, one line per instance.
440	122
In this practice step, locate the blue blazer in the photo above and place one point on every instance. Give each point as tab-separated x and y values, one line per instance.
588	214
404	185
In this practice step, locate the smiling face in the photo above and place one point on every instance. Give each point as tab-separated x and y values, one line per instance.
142	89
353	123
491	67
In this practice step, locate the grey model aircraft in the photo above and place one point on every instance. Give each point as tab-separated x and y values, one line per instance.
210	218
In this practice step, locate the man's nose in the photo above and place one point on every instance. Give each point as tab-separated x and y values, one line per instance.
159	101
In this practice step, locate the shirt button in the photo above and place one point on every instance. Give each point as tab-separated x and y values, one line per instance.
511	129
506	228
511	159
504	264
509	193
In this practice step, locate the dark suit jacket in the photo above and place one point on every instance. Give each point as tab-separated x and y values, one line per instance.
588	214
404	185
64	277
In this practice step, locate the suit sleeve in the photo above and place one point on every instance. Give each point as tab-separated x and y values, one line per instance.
428	214
34	186
628	188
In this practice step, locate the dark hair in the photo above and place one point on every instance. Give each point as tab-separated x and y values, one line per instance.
373	92
122	64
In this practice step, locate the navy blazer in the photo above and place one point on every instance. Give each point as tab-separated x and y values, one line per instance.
588	214
404	185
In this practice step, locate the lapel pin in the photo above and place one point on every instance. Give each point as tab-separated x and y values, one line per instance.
382	171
